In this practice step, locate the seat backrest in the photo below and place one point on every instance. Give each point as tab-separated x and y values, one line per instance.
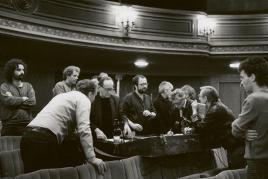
9	143
232	174
11	163
58	173
132	166
115	170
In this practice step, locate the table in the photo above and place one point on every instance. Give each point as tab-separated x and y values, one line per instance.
152	146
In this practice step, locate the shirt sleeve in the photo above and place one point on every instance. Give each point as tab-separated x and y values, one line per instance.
31	95
7	98
83	126
58	89
248	115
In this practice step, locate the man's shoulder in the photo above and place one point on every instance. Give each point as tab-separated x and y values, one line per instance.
77	96
255	97
5	84
129	95
27	84
60	83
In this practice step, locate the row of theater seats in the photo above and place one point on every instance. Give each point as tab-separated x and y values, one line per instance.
11	166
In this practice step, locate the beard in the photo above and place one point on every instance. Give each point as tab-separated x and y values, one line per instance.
142	90
19	77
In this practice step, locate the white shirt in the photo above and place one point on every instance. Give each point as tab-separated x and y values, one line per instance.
63	114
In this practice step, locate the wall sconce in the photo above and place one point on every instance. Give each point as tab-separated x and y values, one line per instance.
206	25
125	17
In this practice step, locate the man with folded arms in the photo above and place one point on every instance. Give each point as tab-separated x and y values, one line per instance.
252	122
17	98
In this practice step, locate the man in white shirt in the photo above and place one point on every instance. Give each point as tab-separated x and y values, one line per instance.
65	113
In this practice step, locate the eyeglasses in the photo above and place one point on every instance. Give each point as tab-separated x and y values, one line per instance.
109	89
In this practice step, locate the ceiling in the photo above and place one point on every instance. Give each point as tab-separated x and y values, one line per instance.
208	6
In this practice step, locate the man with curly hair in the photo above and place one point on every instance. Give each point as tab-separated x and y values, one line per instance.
252	122
17	98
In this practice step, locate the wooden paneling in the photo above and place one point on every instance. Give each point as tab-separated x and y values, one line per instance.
230	96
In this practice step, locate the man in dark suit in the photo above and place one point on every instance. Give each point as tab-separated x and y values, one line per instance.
163	107
182	111
105	109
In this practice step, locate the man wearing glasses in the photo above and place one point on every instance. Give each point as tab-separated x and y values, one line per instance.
105	109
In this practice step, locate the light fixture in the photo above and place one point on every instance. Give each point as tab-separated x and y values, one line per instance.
141	63
125	17
234	65
206	25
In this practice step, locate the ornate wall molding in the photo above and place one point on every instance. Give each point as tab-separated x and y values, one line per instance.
31	30
231	50
92	23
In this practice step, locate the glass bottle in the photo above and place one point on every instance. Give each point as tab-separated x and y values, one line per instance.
117	132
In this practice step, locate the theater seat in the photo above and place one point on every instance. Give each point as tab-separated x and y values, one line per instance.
115	170
226	174
232	174
11	163
61	173
9	143
132	167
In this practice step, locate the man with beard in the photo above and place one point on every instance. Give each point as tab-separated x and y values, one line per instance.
137	109
70	77
17	98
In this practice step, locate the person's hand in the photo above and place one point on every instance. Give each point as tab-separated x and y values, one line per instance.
177	123
100	164
194	105
8	94
251	135
25	98
135	126
100	135
170	132
127	131
152	114
146	113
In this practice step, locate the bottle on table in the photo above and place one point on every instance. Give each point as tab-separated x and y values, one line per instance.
117	132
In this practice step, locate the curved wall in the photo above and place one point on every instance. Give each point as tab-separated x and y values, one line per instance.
92	23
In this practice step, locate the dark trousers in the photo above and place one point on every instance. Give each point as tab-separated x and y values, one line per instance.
257	169
13	130
40	150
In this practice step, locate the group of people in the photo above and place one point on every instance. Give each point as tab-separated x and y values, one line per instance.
89	107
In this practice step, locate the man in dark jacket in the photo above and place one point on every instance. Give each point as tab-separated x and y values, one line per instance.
105	109
137	109
163	107
215	127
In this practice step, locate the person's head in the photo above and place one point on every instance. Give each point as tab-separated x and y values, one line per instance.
88	88
253	72
208	95
140	83
106	87
95	78
189	92
102	75
178	98
165	89
71	74
14	69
